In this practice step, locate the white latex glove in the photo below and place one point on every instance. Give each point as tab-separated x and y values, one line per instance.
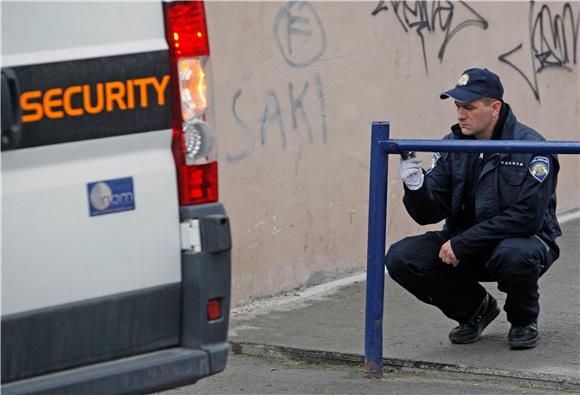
412	173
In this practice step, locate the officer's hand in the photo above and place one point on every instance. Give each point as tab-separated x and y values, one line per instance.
447	255
412	173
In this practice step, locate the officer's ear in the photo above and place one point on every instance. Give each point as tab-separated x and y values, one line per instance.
496	108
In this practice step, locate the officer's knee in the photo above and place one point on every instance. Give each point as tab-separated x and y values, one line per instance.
395	261
509	259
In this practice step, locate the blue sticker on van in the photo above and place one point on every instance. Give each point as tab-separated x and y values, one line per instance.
111	196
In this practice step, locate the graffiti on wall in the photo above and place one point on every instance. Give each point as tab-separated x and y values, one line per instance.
299	34
552	43
301	40
273	119
433	18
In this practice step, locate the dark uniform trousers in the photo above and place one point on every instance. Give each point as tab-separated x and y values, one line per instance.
515	263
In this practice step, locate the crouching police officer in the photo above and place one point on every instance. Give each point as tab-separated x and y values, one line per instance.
500	222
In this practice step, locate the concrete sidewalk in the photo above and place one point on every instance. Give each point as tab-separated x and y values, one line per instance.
415	335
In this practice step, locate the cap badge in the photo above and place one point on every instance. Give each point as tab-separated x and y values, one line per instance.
463	80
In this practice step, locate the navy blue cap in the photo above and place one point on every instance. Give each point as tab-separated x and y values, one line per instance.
475	84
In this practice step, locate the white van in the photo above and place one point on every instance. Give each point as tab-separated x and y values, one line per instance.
115	248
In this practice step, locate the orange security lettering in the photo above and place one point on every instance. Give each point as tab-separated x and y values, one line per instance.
115	92
67	102
51	102
160	88
142	84
98	107
130	95
33	109
79	100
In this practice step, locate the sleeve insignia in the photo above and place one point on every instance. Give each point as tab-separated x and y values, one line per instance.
539	168
436	157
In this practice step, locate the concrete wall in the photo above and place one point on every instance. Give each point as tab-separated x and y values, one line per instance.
296	86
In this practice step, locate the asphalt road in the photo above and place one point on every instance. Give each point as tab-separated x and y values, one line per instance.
251	375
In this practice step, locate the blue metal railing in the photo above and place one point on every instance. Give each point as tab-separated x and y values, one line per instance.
381	147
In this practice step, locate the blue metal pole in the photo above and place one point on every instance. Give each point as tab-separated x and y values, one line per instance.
376	251
514	146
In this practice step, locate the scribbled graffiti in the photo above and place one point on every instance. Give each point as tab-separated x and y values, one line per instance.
299	35
297	107
553	43
248	133
273	123
431	17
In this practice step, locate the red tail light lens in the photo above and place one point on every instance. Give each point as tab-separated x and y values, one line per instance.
214	310
187	32
201	184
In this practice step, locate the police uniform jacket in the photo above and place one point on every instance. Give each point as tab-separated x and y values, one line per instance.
514	194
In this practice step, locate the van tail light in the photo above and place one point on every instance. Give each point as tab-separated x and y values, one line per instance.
194	147
214	309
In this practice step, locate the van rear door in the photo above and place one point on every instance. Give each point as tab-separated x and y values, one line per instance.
91	182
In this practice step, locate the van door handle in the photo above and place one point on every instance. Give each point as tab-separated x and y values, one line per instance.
11	112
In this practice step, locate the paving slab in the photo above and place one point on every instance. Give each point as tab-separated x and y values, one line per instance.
413	331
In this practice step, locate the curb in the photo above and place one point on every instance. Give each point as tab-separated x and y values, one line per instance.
538	380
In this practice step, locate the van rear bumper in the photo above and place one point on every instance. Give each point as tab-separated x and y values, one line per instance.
143	373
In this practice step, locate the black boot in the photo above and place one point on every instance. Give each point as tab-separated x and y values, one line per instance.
470	331
521	337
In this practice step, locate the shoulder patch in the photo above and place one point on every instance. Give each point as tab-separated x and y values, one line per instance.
436	156
539	168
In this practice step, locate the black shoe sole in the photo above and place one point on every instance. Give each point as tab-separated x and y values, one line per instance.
477	335
524	344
